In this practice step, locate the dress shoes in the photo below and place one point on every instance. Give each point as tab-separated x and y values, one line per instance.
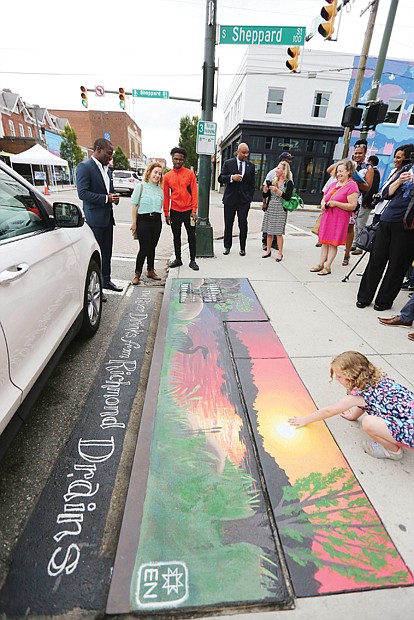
360	304
110	286
380	308
395	320
153	275
242	252
226	251
411	336
407	286
104	298
193	265
175	263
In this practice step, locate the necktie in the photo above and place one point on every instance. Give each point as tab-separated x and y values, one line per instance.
240	168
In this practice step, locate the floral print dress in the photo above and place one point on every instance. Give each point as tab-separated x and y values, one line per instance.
394	403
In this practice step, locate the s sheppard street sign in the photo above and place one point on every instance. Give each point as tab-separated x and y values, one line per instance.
262	35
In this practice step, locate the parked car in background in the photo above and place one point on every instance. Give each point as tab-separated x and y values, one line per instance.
124	181
50	290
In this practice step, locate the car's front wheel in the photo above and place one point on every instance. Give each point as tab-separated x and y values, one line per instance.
92	301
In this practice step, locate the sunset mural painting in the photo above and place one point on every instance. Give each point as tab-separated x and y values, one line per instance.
206	539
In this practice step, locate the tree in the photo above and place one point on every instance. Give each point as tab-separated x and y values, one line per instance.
188	138
120	159
70	149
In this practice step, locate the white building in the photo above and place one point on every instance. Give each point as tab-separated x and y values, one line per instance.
273	110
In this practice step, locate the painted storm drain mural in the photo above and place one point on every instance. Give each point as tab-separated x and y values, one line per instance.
207	536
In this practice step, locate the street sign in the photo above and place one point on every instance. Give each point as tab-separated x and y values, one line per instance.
206	138
262	35
107	135
99	91
153	94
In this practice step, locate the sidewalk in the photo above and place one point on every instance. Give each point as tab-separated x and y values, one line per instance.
316	318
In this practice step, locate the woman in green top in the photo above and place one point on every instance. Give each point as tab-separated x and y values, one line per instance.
146	209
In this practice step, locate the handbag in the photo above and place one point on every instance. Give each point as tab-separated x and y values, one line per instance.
135	236
293	203
315	228
366	238
409	225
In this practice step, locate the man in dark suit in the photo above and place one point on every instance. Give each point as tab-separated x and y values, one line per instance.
237	175
96	190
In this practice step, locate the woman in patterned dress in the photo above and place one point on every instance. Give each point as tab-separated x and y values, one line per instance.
389	406
274	220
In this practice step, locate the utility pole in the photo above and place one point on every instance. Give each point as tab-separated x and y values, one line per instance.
204	231
361	71
376	79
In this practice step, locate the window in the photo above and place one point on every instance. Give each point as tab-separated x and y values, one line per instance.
411	119
395	108
19	213
29	132
274	101
21	129
12	129
320	105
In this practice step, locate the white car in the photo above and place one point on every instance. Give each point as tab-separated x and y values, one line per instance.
124	181
50	290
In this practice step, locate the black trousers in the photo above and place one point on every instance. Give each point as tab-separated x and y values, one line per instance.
105	237
148	233
229	215
393	245
177	219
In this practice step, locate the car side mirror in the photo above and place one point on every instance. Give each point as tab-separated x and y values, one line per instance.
67	215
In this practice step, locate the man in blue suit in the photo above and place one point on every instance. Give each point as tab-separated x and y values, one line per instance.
238	176
96	190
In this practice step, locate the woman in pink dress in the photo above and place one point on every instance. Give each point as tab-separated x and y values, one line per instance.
339	200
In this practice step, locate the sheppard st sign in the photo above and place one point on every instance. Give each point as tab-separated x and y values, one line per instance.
262	35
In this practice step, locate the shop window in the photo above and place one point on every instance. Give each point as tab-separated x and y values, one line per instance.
275	101
395	108
320	104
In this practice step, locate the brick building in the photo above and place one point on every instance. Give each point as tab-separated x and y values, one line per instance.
22	125
92	124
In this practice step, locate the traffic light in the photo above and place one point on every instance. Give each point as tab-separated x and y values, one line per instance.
328	13
121	92
351	116
294	53
84	95
375	114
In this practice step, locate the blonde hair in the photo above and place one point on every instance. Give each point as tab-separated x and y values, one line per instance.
286	172
357	369
348	164
150	168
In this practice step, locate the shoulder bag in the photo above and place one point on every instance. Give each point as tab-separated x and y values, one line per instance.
366	237
293	203
137	207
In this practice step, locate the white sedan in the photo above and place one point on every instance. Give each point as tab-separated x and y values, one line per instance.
50	290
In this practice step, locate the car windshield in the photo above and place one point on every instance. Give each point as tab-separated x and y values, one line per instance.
122	175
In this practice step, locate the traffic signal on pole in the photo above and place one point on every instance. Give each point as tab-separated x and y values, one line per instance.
294	53
351	116
84	95
375	114
328	13
121	92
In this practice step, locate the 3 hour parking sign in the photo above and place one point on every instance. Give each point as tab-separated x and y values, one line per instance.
206	138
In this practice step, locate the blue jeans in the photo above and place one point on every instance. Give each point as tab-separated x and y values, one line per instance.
407	312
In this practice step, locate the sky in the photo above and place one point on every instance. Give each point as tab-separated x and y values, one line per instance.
47	51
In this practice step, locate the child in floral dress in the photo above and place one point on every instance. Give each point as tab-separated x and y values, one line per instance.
389	406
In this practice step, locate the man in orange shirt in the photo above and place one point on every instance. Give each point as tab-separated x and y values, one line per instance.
180	205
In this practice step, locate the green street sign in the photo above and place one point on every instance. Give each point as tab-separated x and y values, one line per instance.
152	94
262	35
